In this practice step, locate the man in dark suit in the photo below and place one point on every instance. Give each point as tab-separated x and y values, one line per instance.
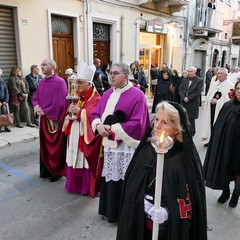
33	80
190	92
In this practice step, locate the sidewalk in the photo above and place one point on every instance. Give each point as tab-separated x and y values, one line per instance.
18	135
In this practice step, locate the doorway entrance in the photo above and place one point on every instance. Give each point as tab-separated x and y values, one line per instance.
101	50
101	42
150	56
215	58
62	42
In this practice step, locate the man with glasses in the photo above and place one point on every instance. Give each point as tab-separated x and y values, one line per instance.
121	118
49	103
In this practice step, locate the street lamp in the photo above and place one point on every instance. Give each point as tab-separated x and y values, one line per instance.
227	22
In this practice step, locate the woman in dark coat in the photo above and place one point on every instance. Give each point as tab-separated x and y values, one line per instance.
183	204
97	81
164	89
222	162
105	76
19	90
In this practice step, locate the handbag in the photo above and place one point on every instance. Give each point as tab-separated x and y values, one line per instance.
6	120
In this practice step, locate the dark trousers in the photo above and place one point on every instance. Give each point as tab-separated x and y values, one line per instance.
206	89
192	126
110	199
4	109
213	108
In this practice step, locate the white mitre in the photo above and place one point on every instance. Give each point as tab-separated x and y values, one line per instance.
85	72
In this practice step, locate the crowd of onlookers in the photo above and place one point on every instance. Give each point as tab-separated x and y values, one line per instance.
16	96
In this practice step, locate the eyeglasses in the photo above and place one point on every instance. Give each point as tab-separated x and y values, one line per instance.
44	64
115	73
237	89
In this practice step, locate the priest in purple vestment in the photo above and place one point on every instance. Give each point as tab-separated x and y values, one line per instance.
50	103
121	118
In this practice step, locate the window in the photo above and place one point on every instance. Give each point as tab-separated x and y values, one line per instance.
101	31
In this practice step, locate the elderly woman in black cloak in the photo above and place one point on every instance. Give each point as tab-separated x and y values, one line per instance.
182	215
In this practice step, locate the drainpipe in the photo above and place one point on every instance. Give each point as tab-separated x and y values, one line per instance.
186	37
122	48
85	9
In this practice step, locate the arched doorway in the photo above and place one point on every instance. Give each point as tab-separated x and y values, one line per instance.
215	58
223	61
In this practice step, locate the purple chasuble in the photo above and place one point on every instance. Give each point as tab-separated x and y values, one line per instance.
51	96
133	103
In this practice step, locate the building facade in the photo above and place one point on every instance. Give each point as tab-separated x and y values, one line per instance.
211	42
179	33
71	30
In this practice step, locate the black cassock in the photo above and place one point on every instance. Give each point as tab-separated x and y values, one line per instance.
183	192
223	153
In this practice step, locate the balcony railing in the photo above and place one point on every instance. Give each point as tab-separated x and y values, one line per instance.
210	18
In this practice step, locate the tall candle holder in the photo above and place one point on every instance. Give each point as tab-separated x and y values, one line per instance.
161	145
72	95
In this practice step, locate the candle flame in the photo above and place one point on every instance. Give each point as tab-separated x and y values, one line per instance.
162	137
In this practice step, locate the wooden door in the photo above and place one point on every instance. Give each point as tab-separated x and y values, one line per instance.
63	54
101	50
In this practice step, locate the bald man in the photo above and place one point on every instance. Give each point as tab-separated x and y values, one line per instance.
190	92
50	103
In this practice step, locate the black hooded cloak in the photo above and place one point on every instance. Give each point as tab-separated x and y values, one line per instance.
163	92
182	177
224	142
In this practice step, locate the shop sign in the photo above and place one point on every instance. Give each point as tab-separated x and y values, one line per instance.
156	26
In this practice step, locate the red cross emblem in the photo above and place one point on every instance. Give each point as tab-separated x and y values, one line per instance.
185	209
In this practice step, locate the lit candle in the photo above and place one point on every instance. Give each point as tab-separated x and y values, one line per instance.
165	143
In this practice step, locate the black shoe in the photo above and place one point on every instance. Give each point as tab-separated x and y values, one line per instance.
31	125
7	129
234	200
19	126
45	175
54	178
224	197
